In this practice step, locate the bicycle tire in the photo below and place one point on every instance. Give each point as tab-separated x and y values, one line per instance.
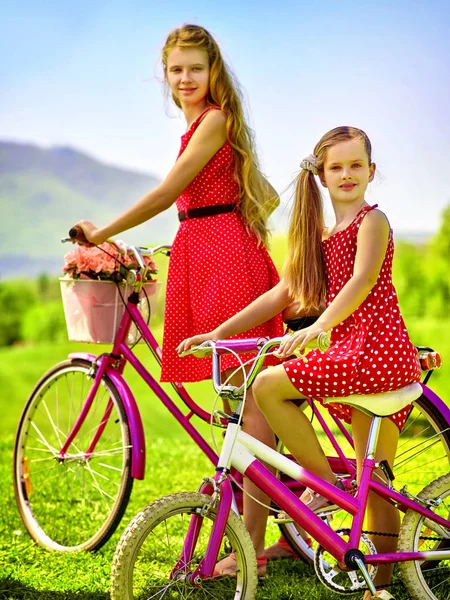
143	568
429	429
73	503
424	582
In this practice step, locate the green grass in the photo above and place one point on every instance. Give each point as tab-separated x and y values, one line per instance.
173	464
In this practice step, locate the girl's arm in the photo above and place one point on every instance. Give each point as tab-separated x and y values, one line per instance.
372	242
262	309
206	141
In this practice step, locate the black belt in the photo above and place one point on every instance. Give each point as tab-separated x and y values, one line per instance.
206	211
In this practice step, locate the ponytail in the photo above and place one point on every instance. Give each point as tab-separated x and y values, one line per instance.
305	263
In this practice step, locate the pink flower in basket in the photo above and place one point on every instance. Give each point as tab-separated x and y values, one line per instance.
93	305
102	262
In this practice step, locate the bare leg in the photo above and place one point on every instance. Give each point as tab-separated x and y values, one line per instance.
273	393
255	515
381	515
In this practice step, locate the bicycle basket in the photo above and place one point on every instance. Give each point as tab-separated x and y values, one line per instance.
93	309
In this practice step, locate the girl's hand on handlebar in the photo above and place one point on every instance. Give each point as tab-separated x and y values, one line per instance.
92	235
196	341
299	339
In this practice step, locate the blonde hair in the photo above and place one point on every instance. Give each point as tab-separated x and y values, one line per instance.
305	261
256	199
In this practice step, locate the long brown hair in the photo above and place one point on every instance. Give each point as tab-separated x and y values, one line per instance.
305	263
256	200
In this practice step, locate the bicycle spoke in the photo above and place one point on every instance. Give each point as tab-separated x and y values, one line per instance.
110	467
417	468
51	422
42	439
440	583
102	453
95	485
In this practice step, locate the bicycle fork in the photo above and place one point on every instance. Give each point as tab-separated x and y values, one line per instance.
218	488
84	411
221	493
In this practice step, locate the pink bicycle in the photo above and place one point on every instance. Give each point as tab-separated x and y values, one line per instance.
170	549
80	441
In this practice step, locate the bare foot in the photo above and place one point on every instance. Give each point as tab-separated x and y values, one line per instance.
227	567
281	549
278	551
381	594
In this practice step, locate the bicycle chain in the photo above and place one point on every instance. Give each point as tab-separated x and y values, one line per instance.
421	537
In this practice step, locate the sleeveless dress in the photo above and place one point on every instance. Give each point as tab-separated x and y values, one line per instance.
370	351
216	268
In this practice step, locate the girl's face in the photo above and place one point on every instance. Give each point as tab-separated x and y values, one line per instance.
347	172
188	75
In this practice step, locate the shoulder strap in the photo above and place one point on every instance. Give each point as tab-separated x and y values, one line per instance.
362	213
201	116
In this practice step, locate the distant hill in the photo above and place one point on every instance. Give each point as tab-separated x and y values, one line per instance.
44	191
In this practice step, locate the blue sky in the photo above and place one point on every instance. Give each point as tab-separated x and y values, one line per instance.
87	74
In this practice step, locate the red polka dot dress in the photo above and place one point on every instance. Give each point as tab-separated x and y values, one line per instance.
216	269
370	351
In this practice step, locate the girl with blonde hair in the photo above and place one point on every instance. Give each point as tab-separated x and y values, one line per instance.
219	262
350	265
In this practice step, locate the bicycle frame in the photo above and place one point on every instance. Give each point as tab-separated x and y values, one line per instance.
112	365
242	451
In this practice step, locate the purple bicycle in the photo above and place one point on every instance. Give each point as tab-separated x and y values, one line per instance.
80	440
170	548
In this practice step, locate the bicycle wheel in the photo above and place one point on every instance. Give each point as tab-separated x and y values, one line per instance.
423	453
150	548
427	580
75	502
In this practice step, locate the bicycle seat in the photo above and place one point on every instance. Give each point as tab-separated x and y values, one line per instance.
383	404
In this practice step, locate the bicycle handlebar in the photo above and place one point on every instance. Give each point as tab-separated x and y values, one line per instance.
262	345
76	234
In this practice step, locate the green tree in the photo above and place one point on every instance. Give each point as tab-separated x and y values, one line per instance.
44	323
438	269
16	297
410	278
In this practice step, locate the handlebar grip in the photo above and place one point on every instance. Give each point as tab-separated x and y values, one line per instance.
76	234
74	231
323	341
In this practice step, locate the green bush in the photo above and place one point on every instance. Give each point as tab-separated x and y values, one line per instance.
410	278
16	297
44	323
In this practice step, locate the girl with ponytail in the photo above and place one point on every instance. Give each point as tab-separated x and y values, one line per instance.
349	265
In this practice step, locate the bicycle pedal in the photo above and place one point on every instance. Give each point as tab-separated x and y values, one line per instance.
326	516
282	518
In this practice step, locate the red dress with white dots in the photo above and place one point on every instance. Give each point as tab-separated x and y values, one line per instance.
216	269
370	351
